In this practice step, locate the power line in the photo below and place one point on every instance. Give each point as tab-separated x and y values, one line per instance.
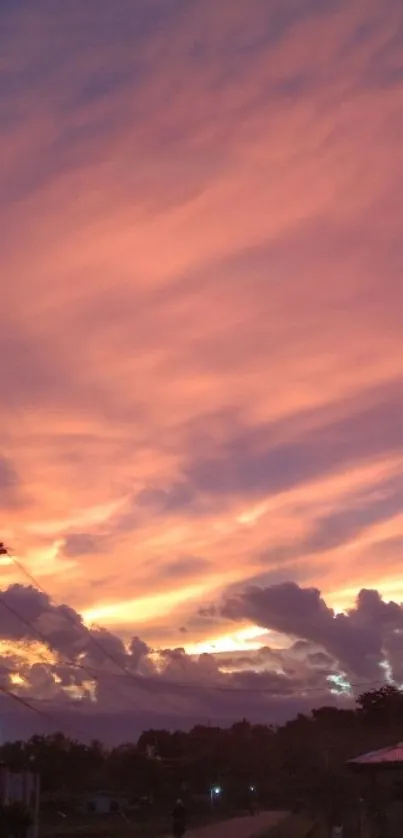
66	614
141	680
39	634
26	623
92	673
23	701
28	705
196	686
138	680
80	625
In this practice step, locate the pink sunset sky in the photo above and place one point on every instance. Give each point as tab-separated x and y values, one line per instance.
201	346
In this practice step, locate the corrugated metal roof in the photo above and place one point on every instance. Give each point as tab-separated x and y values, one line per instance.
392	754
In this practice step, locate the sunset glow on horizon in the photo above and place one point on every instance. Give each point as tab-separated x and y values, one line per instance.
201	348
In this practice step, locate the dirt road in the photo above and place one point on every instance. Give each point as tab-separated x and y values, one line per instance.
239	827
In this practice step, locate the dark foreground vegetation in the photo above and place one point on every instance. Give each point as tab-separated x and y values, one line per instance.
302	762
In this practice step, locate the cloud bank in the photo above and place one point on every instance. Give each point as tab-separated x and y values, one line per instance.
75	677
201	347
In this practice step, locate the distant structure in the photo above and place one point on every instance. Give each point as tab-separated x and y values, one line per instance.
21	788
380	775
103	803
391	756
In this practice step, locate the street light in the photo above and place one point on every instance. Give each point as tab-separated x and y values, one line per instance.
215	792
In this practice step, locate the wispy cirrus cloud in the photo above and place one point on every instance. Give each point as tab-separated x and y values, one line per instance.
201	356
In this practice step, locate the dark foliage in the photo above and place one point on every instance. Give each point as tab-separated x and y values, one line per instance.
304	759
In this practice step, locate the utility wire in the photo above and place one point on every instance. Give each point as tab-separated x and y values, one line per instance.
27	704
196	686
142	680
80	625
77	625
66	659
24	702
149	685
92	673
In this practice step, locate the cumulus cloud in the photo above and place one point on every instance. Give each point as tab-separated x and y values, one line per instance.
202	350
138	650
59	661
97	673
358	640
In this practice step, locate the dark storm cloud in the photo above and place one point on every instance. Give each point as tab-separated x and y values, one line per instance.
266	684
356	639
356	642
60	626
301	662
138	649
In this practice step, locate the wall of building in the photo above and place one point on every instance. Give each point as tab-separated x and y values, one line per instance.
24	788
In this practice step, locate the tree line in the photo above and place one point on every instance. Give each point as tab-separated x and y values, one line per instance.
304	759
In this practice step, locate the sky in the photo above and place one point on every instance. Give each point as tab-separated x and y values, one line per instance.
201	443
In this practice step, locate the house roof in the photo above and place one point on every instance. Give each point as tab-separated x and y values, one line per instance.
385	756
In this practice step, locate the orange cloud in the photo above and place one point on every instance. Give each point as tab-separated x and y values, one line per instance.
201	357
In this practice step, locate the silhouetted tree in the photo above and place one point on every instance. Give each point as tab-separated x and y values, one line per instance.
304	758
